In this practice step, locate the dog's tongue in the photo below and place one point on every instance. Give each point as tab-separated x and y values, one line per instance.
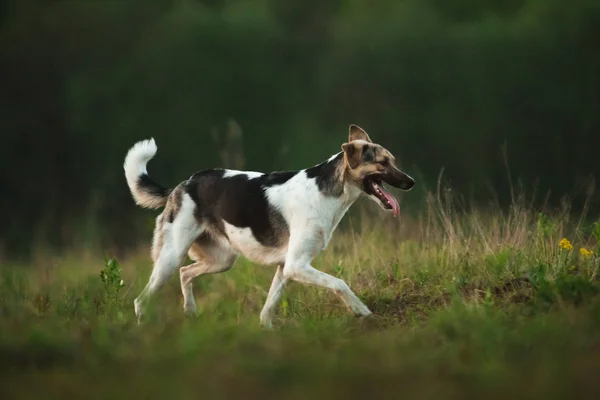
392	200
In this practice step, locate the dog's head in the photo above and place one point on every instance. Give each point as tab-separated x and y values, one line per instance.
368	165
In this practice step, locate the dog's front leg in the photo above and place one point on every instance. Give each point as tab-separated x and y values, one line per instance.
305	273
297	268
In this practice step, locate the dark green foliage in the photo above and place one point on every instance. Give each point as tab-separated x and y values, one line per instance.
111	300
443	84
568	286
596	235
111	277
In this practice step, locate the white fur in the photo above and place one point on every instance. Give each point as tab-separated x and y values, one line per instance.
135	165
305	208
244	243
250	174
312	218
333	157
178	237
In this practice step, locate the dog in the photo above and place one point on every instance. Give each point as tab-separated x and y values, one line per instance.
283	218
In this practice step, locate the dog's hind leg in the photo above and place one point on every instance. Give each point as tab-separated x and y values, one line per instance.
176	237
210	259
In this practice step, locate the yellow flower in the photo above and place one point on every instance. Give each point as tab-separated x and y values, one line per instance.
585	252
565	244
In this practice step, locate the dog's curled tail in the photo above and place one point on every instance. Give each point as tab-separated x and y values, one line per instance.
145	191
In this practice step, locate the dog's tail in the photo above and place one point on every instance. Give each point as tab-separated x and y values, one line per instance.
145	191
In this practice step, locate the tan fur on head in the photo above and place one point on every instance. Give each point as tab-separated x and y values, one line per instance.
363	162
351	155
363	157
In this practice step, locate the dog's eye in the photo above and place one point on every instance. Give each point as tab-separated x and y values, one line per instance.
384	163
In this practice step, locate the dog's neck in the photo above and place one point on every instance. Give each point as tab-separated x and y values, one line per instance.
339	193
333	180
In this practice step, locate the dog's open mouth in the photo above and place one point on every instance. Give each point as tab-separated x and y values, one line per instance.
374	186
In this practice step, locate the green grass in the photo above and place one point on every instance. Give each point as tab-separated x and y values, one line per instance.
467	304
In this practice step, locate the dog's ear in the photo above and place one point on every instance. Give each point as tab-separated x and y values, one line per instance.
355	132
351	154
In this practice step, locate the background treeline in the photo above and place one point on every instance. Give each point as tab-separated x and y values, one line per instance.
273	85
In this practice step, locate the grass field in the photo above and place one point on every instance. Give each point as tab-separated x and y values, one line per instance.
467	305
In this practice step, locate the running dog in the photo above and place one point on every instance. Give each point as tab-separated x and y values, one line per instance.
283	218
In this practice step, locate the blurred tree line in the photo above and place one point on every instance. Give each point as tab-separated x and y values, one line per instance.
443	84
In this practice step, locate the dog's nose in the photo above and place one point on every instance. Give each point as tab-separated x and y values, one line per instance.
407	184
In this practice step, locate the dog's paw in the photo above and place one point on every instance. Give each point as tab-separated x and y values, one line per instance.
190	311
266	325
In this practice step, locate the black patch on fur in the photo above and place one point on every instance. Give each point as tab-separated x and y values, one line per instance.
277	178
240	202
368	153
150	186
327	176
